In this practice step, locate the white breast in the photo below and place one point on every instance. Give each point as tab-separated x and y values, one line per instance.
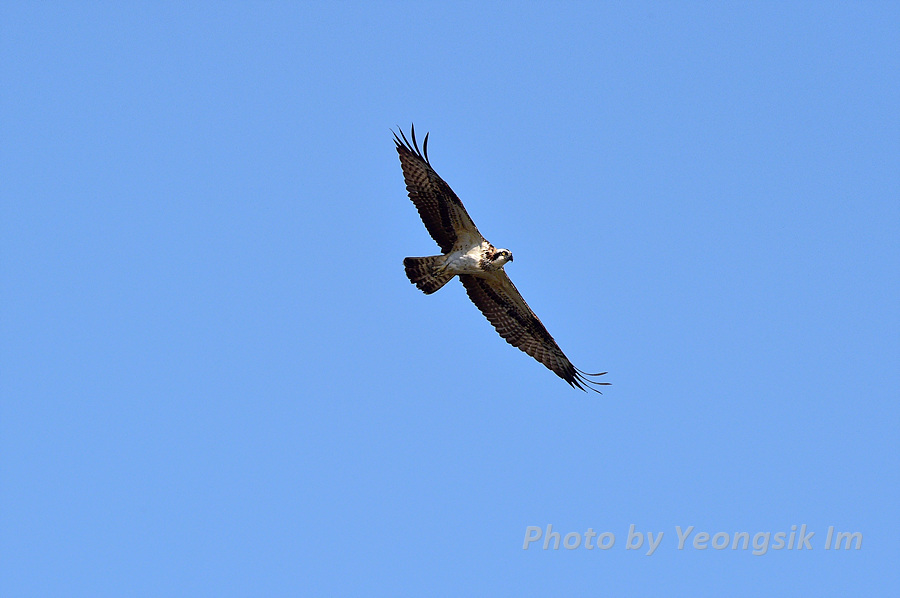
467	260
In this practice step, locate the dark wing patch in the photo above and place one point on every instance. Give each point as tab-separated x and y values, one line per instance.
440	209
503	305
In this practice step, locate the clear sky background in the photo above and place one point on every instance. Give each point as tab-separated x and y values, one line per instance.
217	380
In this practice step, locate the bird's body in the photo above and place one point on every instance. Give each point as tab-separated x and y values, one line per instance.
479	265
478	259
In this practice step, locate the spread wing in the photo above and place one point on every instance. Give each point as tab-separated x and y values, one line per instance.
441	210
503	305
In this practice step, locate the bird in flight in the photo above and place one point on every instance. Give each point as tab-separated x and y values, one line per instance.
479	265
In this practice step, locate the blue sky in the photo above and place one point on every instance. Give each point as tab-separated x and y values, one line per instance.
217	381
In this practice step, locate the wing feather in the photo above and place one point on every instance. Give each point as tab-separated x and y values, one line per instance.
441	210
502	304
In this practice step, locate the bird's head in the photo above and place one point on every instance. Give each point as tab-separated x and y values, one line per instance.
501	256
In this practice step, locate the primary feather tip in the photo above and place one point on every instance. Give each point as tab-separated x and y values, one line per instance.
582	380
413	147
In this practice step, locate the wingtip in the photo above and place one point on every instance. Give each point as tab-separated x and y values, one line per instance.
581	380
402	142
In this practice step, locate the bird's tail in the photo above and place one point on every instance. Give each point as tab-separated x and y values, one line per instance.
426	272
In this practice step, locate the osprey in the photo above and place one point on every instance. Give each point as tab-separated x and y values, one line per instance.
479	265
